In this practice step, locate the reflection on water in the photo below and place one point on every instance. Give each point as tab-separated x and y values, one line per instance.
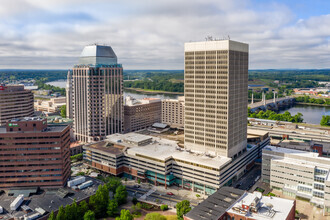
311	114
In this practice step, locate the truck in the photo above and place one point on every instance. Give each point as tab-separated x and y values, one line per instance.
76	181
17	202
85	184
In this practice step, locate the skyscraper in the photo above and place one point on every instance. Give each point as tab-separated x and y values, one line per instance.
216	86
97	94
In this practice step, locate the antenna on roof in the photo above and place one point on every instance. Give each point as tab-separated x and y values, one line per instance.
228	37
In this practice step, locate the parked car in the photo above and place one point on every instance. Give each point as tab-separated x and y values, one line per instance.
170	193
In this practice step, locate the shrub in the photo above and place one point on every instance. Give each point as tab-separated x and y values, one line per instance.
154	216
134	200
164	207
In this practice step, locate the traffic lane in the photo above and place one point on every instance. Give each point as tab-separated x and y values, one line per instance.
248	180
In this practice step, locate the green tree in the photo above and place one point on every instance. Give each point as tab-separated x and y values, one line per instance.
51	216
89	215
63	111
99	201
112	209
164	207
83	208
182	208
125	215
112	183
154	216
69	213
61	214
325	121
121	194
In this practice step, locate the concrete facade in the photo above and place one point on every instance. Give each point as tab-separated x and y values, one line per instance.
97	94
141	114
173	112
162	162
51	106
15	102
34	154
298	174
216	90
68	88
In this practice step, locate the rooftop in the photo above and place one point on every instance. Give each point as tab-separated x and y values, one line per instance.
48	200
94	55
269	207
106	147
290	151
216	204
161	149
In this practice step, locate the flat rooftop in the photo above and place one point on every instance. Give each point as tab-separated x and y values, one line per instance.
270	207
216	204
162	149
49	200
50	128
106	147
290	151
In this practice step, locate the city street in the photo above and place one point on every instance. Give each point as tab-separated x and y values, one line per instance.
248	180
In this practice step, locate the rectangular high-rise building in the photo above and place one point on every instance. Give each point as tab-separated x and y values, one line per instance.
216	93
15	102
97	94
34	154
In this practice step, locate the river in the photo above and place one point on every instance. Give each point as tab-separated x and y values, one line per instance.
135	94
311	114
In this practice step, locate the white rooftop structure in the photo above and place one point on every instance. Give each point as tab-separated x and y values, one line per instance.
162	149
256	206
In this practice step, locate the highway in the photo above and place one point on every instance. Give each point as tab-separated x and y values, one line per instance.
294	134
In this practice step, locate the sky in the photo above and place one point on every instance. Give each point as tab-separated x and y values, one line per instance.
150	34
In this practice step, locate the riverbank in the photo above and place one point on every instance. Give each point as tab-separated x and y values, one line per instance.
314	104
153	91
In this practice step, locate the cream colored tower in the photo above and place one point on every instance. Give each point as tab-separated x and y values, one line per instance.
97	94
216	94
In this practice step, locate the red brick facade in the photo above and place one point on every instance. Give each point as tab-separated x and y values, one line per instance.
32	154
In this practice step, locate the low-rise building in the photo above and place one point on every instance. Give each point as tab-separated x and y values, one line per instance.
298	174
141	113
15	102
173	112
53	105
162	162
230	203
34	154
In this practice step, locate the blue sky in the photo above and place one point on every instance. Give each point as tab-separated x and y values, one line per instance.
148	34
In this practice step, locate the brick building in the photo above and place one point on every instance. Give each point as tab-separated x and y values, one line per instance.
15	102
34	154
142	113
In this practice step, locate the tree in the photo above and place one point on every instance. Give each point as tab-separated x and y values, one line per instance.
69	213
154	216
134	200
89	215
112	209
112	183
61	213
182	208
99	201
121	194
63	111
52	216
325	121
164	207
139	181
83	208
198	196
125	215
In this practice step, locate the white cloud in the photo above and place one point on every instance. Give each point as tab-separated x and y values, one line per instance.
150	34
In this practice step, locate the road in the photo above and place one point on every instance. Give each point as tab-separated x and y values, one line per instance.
161	196
295	134
247	181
